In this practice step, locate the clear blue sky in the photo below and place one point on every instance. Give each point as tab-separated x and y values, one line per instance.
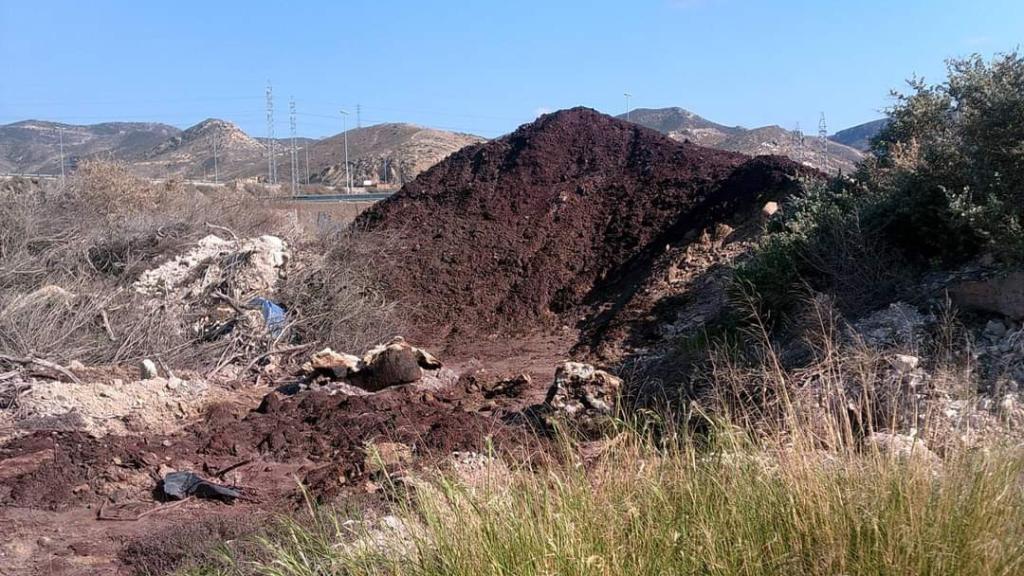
480	66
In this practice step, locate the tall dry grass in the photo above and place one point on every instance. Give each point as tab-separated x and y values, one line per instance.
777	480
68	256
731	508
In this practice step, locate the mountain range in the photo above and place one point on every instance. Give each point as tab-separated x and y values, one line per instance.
394	152
844	149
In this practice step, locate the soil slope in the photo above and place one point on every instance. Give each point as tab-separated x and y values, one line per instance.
523	231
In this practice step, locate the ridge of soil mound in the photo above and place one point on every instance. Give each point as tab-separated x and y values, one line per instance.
570	210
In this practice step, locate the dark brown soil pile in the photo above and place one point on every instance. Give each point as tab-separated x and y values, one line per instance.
519	232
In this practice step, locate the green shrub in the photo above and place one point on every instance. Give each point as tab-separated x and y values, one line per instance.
946	184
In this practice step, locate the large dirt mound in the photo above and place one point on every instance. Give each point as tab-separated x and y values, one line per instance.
519	232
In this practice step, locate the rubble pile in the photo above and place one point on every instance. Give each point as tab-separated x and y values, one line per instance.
585	396
222	287
394	363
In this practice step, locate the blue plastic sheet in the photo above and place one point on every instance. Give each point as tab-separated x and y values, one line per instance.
273	315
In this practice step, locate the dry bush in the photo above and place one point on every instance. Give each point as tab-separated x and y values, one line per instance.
91	240
334	291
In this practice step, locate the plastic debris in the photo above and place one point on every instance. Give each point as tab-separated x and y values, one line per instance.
181	485
273	315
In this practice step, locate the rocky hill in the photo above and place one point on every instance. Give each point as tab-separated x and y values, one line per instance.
405	149
33	146
860	136
682	125
566	212
162	151
190	154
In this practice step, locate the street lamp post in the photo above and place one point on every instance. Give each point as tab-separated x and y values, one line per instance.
62	157
344	128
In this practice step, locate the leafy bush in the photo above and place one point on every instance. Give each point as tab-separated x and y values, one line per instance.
946	184
833	240
963	139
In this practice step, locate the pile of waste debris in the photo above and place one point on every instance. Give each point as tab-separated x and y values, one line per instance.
223	288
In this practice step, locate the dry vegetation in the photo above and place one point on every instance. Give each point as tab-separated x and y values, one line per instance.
68	258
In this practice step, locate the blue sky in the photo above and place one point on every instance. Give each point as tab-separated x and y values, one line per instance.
484	66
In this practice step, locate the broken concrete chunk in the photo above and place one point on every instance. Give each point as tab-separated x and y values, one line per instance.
390	367
423	358
385	456
905	363
1003	295
508	387
333	364
394	363
580	388
902	447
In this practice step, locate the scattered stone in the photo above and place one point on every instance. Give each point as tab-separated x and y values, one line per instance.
721	233
995	329
394	363
769	209
147	370
900	324
509	387
333	364
385	456
76	366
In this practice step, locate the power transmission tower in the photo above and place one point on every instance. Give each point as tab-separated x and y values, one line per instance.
823	142
628	96
359	115
271	157
295	153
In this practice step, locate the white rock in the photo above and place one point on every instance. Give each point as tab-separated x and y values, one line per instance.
147	370
902	447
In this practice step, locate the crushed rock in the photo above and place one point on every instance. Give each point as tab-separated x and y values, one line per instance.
255	265
155	405
900	324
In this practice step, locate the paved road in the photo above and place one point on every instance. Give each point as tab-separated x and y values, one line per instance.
338	197
357	197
